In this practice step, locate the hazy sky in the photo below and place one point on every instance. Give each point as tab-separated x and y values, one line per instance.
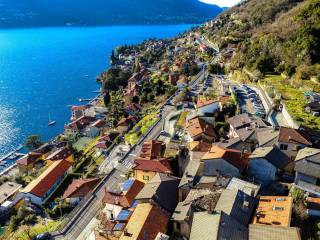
222	3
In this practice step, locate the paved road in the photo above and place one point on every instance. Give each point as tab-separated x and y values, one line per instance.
114	157
92	206
94	203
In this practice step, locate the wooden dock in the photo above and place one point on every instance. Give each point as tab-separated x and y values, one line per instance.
12	153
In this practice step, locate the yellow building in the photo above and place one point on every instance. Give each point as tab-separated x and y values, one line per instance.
274	210
27	162
147	169
61	153
146	222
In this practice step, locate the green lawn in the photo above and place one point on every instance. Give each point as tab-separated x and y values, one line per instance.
293	97
141	128
181	122
172	149
82	143
24	233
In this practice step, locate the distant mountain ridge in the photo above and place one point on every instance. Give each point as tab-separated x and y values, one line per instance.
42	13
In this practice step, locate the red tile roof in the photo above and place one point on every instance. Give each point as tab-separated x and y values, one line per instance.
61	153
290	135
99	123
159	166
127	121
200	146
233	156
29	158
77	108
80	123
151	150
224	99
80	187
124	199
205	102
101	145
196	126
147	220
41	185
134	107
109	137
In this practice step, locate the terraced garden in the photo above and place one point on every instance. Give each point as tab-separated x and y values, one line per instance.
293	97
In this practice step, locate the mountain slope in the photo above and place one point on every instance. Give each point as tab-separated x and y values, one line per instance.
280	36
23	13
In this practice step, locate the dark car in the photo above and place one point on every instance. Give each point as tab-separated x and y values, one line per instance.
43	236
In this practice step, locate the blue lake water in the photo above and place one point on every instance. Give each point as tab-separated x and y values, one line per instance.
42	71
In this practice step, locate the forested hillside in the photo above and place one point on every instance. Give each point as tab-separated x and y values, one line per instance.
279	36
41	13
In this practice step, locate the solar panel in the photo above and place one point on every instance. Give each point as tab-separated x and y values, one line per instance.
118	227
127	184
134	204
123	215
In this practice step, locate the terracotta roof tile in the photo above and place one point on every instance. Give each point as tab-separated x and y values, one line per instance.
134	107
124	199
99	123
274	210
77	108
41	185
290	135
101	145
160	166
80	123
127	121
196	126
61	153
205	102
233	156
29	158
80	187
224	99
146	222
151	150
200	146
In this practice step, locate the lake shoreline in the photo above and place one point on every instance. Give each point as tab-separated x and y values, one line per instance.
22	116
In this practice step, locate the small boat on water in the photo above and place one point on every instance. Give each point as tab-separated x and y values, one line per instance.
87	75
12	156
51	122
84	99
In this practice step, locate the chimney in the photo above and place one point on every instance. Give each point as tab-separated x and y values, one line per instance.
252	193
258	217
117	200
243	150
245	203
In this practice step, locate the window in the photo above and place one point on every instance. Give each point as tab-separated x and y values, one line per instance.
278	209
283	147
145	177
178	226
318	182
